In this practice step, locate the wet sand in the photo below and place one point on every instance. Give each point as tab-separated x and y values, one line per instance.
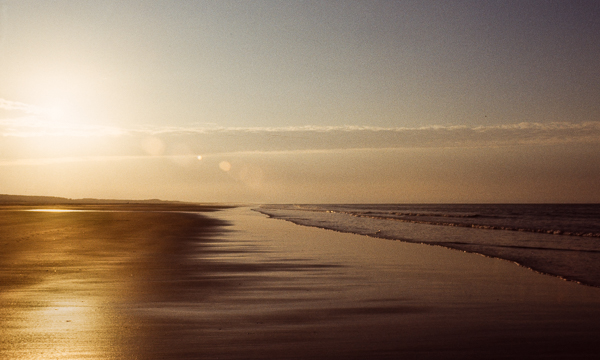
233	284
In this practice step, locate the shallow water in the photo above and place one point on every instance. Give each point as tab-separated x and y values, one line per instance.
561	240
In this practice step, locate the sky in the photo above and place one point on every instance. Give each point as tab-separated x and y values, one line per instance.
301	101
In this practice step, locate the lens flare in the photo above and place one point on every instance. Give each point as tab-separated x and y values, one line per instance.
225	166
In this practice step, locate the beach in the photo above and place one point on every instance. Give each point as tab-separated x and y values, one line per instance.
151	282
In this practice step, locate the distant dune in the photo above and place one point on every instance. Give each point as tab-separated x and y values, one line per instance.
25	200
22	200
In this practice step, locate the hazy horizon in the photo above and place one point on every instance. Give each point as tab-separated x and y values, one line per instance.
301	102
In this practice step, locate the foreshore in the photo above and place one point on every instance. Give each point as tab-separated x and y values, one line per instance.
229	283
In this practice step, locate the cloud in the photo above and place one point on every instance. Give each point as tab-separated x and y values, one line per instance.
36	126
82	159
206	140
311	137
27	108
215	139
523	131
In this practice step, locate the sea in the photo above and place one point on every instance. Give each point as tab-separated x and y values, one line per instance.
556	239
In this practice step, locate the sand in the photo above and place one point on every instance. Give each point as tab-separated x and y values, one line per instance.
233	284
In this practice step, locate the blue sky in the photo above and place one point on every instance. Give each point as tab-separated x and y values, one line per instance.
307	101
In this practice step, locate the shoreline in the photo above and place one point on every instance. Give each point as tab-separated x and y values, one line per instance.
582	264
233	283
441	245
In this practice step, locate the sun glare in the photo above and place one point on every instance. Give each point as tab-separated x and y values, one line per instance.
56	112
60	93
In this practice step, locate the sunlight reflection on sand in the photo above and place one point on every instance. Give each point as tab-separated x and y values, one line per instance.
58	210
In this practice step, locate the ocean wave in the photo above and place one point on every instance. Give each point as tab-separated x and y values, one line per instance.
483	226
409	218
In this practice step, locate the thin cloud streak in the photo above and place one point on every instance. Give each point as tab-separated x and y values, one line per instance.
206	140
225	139
15	105
355	128
84	159
34	126
176	158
